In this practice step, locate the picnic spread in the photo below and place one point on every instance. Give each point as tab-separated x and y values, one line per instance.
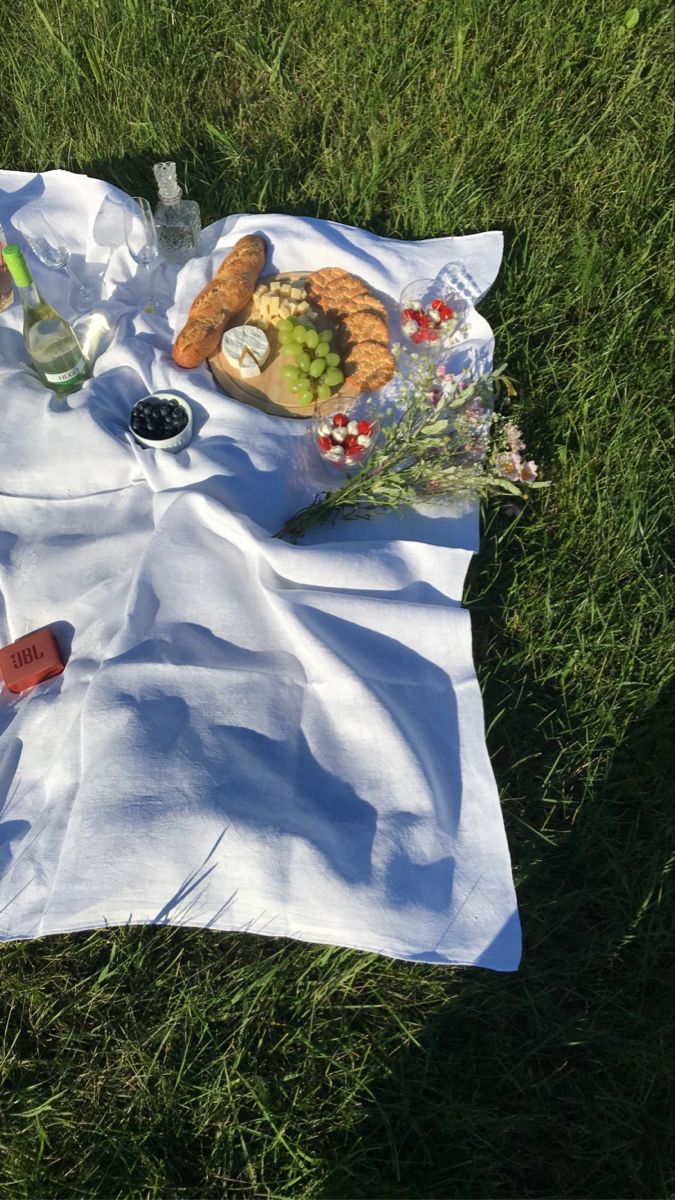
204	723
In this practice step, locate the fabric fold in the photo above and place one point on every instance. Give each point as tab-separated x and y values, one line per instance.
248	735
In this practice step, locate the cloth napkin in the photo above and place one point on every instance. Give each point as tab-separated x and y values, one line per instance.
248	735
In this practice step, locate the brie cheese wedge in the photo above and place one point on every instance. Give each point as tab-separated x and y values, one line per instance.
246	348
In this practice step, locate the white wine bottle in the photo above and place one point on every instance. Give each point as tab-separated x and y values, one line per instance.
52	345
6	293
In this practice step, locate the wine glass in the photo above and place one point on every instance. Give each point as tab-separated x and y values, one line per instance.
48	245
141	237
109	225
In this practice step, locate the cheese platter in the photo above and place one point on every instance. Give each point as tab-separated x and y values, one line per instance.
268	388
296	344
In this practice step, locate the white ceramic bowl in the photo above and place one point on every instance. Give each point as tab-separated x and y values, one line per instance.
174	444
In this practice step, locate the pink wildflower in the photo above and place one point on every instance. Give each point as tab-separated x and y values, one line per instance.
515	439
441	370
508	465
475	413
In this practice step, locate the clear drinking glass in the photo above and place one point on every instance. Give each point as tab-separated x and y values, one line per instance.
49	246
141	238
109	225
337	445
419	298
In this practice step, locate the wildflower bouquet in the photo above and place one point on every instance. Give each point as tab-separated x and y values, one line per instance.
440	439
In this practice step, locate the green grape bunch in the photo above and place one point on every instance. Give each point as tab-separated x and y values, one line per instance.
313	371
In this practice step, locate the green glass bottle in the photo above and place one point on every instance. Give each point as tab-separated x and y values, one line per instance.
52	345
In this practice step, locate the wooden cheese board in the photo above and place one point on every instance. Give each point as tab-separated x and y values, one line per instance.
269	391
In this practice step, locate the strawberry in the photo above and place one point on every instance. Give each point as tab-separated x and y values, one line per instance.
341	420
325	443
364	427
351	443
412	314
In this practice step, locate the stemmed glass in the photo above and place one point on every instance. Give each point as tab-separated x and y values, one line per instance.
109	225
141	238
48	245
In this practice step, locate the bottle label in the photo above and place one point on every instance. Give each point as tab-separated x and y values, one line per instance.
65	376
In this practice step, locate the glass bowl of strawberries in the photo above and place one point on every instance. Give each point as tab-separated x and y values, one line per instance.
433	322
343	439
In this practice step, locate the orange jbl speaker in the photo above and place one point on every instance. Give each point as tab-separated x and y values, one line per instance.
30	660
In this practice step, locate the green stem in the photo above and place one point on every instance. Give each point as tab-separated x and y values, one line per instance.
402	460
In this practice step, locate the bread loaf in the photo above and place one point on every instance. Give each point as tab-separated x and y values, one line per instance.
217	303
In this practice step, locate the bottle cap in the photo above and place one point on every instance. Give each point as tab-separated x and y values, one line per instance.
16	265
165	174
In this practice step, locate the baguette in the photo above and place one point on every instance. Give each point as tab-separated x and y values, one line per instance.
217	303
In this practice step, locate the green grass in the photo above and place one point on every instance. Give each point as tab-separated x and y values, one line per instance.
159	1063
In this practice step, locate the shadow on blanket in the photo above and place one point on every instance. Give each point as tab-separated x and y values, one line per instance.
10	831
250	737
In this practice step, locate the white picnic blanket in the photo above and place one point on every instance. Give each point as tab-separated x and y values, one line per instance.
248	735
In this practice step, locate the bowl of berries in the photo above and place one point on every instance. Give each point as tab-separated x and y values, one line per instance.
162	421
432	321
344	440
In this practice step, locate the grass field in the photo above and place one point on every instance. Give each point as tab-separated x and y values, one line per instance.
159	1063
